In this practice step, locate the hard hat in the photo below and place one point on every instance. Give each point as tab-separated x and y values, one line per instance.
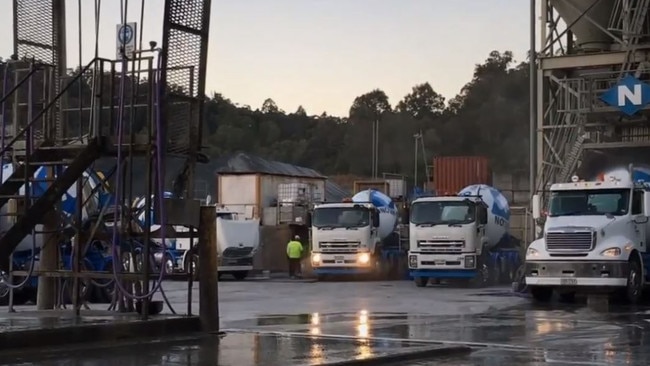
297	237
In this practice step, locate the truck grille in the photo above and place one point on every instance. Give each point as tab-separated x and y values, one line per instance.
339	247
441	246
237	252
577	241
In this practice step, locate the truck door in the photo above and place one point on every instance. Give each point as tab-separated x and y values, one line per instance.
640	221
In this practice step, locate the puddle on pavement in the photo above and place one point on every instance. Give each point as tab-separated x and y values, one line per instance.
232	350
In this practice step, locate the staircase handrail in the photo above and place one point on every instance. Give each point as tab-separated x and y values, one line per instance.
50	104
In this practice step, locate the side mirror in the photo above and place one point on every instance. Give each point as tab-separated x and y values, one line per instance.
309	219
535	204
375	218
646	204
641	219
483	217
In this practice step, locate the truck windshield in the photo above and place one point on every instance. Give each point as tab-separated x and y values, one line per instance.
589	202
341	217
443	212
225	215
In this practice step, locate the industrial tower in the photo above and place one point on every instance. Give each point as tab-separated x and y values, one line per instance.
591	111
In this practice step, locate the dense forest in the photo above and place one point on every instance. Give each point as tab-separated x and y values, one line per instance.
489	117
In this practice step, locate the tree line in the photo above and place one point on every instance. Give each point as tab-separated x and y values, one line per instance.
488	117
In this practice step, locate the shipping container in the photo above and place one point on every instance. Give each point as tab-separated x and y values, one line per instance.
381	185
453	173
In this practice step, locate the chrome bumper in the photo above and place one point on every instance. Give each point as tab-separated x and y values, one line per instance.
576	273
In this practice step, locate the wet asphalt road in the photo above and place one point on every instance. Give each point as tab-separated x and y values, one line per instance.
362	319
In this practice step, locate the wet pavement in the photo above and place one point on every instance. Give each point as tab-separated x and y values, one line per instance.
305	323
230	350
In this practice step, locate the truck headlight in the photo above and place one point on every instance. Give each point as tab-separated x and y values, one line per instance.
611	252
413	261
315	258
364	258
531	252
470	261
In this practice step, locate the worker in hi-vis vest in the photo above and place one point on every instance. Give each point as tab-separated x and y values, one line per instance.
294	253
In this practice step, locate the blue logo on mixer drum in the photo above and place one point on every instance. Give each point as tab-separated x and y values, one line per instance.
382	202
500	207
630	95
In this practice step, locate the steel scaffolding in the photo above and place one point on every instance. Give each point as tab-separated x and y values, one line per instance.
587	47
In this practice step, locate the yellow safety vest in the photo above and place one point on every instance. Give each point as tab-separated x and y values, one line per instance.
294	249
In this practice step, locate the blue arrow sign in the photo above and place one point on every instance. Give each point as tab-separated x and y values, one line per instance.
125	35
630	95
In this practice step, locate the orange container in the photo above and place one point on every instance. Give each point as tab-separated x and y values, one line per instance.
453	173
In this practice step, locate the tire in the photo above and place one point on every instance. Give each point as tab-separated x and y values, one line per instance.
189	261
541	294
421	281
483	272
240	275
567	297
167	265
634	288
378	270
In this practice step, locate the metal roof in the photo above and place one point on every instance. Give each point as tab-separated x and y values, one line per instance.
334	192
241	163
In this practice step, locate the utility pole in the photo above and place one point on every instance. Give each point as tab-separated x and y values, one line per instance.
416	137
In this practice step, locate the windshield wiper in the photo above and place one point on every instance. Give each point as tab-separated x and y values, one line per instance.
570	213
425	224
326	227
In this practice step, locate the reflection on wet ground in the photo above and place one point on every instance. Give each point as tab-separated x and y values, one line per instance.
524	335
231	350
11	322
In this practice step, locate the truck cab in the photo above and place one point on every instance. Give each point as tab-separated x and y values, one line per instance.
594	240
344	238
447	238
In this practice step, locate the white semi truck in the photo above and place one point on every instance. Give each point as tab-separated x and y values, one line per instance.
462	237
347	237
594	239
238	239
237	242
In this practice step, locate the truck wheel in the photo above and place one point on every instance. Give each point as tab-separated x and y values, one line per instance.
484	273
192	261
168	265
634	289
567	297
541	294
240	275
421	281
379	269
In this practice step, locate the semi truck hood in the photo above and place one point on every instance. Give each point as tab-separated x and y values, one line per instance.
237	238
593	222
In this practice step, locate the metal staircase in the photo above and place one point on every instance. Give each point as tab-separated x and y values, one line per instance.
572	159
35	145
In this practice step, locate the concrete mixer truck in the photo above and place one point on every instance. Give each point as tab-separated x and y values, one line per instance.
350	238
25	257
595	238
462	237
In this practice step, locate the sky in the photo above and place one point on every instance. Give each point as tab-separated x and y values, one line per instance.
321	54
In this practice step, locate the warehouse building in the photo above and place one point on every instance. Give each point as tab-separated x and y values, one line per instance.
248	184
